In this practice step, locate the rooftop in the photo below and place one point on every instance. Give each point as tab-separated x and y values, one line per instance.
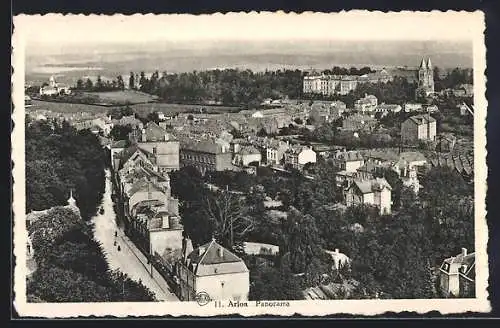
422	119
369	186
212	258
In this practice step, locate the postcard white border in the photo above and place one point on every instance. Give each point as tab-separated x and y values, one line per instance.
306	308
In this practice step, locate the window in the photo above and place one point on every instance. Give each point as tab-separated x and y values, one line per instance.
154	150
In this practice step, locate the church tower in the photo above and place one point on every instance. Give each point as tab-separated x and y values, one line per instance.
425	78
52	82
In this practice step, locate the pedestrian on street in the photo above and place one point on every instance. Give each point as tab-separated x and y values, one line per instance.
116	233
114	244
119	248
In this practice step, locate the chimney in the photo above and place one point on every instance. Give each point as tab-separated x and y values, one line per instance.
220	251
143	135
464	251
336	251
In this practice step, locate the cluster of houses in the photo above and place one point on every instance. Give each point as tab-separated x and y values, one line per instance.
359	170
151	217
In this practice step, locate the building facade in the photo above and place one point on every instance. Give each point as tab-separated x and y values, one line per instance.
419	127
214	270
457	275
370	192
205	156
160	143
340	84
298	156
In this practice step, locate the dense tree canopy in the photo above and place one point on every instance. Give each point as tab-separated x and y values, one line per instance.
69	259
228	87
60	158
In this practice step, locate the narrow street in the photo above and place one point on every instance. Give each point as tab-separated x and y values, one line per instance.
129	259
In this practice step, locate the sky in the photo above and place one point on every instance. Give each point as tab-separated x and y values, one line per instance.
62	30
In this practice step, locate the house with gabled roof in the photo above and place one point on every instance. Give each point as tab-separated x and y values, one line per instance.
418	127
457	275
247	154
214	270
348	161
163	145
375	192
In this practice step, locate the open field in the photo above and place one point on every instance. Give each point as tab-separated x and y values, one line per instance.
145	109
122	97
60	107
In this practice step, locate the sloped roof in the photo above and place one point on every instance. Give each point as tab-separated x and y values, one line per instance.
460	259
384	155
369	167
350	156
209	262
412	156
143	185
248	150
156	133
119	144
126	154
421	119
368	186
201	146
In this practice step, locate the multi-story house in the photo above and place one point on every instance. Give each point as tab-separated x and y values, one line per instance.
205	155
214	270
387	108
419	127
151	214
275	151
160	143
457	275
366	104
348	161
297	156
247	154
371	192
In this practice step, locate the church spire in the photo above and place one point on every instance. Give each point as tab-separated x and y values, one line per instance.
422	64
429	64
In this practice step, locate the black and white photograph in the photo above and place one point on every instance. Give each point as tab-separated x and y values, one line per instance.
249	163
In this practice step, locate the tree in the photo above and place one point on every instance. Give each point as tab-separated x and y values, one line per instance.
89	85
120	83
228	214
99	84
131	81
303	243
120	132
79	84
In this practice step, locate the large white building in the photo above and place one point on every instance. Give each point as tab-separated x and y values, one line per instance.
340	84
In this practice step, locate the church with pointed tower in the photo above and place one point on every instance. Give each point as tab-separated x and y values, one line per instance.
425	79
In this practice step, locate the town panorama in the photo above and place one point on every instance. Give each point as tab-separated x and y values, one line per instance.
315	178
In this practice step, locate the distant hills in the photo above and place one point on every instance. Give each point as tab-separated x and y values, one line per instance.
113	59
